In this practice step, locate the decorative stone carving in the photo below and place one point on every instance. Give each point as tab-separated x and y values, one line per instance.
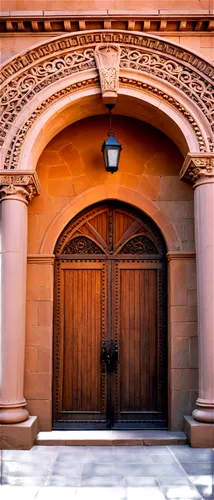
107	57
74	53
197	166
13	154
19	185
165	68
26	75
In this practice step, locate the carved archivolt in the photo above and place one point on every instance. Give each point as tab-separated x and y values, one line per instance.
27	75
13	153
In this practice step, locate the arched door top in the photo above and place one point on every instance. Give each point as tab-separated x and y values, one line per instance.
93	233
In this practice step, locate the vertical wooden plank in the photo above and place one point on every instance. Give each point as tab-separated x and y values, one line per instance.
83	327
138	339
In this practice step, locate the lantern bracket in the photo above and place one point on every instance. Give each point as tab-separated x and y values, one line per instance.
110	107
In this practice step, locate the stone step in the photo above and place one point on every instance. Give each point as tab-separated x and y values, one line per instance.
109	438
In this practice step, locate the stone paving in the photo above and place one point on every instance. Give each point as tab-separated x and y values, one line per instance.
107	472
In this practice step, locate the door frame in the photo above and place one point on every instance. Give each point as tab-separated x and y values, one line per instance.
127	206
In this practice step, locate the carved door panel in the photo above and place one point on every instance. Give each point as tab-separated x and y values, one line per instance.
110	333
139	380
82	396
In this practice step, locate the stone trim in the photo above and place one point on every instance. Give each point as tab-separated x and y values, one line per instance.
155	21
28	74
14	151
23	185
197	166
180	255
46	259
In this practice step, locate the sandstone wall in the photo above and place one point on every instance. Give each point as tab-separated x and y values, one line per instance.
105	4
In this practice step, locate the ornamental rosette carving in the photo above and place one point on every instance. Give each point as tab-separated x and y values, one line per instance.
19	185
197	166
82	245
139	245
107	58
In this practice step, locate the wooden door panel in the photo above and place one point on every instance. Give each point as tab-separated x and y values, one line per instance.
83	312
136	325
83	324
110	284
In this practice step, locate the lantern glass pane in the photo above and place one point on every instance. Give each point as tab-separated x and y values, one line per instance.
105	156
112	157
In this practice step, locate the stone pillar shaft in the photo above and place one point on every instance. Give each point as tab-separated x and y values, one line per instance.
15	193
13	299
199	169
204	240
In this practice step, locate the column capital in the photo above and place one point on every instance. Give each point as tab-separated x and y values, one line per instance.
197	167
19	185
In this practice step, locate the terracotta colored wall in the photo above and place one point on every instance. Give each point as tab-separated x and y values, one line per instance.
105	4
71	164
150	163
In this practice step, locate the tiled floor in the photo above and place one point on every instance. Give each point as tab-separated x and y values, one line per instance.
107	473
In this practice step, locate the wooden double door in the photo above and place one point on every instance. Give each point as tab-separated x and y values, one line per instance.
110	322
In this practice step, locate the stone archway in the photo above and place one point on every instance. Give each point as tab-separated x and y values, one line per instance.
110	297
38	78
43	82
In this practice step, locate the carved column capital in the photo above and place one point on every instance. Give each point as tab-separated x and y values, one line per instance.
107	58
198	167
19	185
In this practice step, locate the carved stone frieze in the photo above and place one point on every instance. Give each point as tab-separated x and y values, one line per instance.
196	167
21	185
107	58
13	154
26	75
68	43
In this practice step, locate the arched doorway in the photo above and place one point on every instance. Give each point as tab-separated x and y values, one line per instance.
110	322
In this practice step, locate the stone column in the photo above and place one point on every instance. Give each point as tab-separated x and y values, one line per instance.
199	170
16	190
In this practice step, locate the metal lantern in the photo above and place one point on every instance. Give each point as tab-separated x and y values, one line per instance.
111	149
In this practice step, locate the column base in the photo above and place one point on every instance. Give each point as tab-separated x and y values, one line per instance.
206	416
204	411
13	415
200	435
20	436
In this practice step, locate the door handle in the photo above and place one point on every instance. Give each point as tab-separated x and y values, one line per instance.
109	354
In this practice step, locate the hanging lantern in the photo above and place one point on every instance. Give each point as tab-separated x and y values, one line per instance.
111	148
